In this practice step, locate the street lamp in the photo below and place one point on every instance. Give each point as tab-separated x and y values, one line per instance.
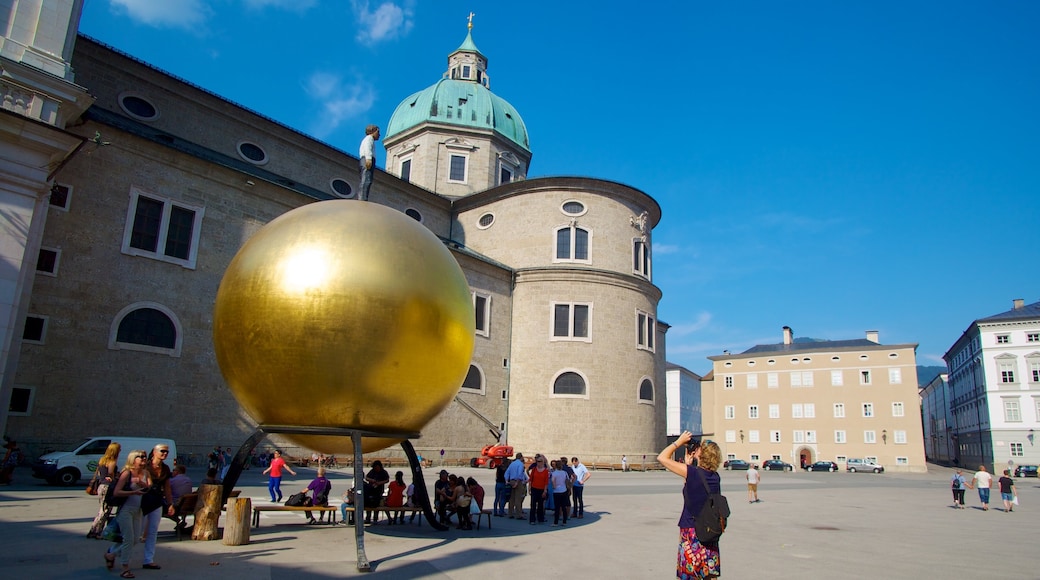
884	436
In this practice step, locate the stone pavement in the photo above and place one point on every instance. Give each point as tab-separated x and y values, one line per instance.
808	525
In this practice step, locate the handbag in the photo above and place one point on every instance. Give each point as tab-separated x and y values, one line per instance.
151	501
298	500
93	484
116	500
474	508
112	532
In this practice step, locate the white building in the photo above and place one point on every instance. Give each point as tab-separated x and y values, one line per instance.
994	374
683	395
938	421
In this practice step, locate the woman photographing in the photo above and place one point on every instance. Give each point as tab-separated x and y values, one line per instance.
701	463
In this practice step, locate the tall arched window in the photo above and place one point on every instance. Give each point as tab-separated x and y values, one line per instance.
572	244
474	380
646	391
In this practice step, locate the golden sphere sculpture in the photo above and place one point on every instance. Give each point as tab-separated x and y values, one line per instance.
344	314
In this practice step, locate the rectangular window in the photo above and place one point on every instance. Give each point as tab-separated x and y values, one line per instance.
868	409
505	175
1012	411
796	410
900	436
21	402
864	377
571	322
772	380
897	409
572	244
840	459
35	330
752	381
869	437
406	170
774	411
774	436
731	436
810	436
752	411
644	331
796	379
727	382
1033	337
1017	450
810	410
799	437
1003	339
902	461
895	376
839	410
465	71
47	261
839	436
457	169
641	258
1034	372
836	378
482	310
731	412
160	228
754	457
753	436
61	195
807	378
1007	372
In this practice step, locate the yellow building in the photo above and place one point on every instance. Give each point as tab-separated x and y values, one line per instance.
802	402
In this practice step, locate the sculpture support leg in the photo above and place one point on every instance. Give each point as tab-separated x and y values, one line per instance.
359	504
421	494
238	463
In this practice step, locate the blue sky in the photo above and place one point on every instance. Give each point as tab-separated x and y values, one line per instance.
830	166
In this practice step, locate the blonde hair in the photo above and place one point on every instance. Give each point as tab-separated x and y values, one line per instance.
111	456
321	471
134	455
710	456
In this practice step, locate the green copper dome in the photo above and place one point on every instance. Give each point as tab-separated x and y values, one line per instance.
462	103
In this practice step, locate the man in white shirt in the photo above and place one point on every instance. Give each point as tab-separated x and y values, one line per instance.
982	480
753	478
581	475
516	478
367	158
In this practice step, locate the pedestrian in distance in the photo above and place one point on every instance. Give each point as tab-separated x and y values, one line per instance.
1007	491
274	482
982	480
753	477
957	485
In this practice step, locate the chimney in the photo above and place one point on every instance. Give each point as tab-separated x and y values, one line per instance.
1019	303
872	336
788	338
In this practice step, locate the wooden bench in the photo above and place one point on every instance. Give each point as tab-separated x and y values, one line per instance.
185	506
390	512
601	466
484	513
293	508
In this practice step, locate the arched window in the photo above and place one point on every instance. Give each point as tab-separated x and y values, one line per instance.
569	383
572	244
474	380
146	327
646	391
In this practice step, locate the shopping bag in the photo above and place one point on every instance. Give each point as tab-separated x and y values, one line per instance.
1014	500
111	532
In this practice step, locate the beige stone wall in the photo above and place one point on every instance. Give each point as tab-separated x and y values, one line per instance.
850	362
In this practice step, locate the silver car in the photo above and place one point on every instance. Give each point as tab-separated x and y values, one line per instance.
863	465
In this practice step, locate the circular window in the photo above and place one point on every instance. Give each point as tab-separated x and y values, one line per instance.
862	357
252	153
794	361
806	360
414	214
138	107
573	207
771	361
729	364
485	221
892	355
750	363
835	358
341	188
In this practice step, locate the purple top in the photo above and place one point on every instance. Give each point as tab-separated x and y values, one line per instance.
317	487
694	495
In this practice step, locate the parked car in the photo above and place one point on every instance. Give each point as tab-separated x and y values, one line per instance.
862	465
822	466
776	465
1025	471
736	464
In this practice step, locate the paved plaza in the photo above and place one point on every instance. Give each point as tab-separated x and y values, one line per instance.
808	525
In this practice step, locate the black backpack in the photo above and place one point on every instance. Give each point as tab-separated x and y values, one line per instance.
711	521
298	500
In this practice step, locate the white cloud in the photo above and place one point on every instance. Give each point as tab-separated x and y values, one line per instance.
293	5
340	100
682	329
386	22
665	249
187	14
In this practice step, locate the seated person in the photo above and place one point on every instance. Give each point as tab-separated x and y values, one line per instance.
180	483
319	489
211	477
375	481
348	501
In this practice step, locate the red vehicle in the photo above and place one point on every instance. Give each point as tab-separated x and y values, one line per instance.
491	456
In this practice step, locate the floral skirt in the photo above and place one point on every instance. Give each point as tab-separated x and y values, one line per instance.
696	560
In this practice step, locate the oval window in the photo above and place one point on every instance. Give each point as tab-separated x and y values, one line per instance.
485	221
138	107
414	214
341	188
573	207
252	153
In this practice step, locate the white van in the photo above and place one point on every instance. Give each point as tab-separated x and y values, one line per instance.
68	467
